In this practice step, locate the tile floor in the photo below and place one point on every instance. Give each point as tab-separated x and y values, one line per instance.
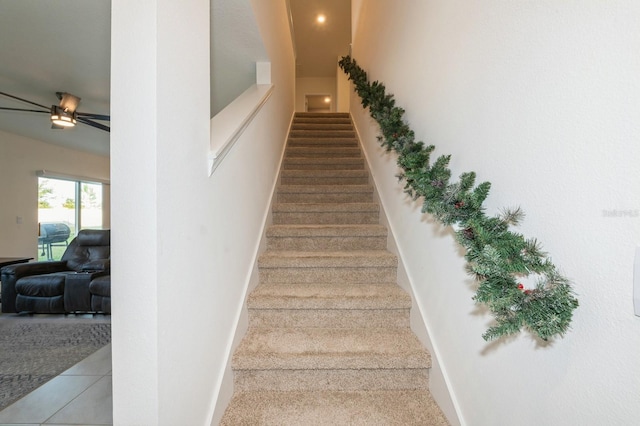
79	396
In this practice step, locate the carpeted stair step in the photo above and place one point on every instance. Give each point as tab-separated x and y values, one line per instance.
325	213
335	120
332	125
330	408
322	142
329	339
319	380
322	134
326	237
324	115
323	164
329	318
283	359
325	194
329	306
329	296
375	266
330	349
323	152
324	177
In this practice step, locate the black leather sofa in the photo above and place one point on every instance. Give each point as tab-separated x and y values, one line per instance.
66	285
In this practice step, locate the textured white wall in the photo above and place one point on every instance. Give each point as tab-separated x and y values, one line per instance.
343	91
259	150
540	99
20	157
162	233
236	46
184	244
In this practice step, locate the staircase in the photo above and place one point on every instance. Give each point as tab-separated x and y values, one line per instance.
329	341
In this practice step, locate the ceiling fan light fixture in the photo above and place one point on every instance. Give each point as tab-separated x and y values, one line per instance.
62	117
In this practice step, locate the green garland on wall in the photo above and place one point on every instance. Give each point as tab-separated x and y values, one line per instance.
499	259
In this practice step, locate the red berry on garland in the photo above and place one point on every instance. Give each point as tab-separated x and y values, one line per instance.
527	292
459	204
520	286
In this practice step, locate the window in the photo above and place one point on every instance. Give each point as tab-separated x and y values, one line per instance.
64	207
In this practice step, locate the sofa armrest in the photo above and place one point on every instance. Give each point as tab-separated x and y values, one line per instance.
12	273
34	268
101	265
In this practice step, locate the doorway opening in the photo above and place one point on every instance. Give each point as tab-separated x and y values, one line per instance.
65	207
318	103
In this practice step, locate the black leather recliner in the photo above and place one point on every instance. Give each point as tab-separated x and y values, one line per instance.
60	286
100	289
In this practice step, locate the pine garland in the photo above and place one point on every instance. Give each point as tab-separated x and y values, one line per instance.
497	257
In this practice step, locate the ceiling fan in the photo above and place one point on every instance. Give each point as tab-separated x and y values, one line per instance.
63	115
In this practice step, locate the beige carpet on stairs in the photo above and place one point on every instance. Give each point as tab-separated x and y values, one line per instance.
329	341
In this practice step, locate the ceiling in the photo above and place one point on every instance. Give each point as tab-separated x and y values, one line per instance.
55	46
64	46
318	46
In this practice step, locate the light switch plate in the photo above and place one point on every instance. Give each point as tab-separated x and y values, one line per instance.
636	283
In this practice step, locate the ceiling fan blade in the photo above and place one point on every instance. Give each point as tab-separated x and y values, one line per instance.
22	109
94	116
69	102
24	100
94	124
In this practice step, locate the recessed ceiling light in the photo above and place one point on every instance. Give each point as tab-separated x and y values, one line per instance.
321	19
327	99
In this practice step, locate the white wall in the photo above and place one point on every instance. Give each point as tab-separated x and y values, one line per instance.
20	158
184	254
343	90
236	46
315	86
540	99
270	127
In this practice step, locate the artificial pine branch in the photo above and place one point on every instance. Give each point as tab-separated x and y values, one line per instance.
497	257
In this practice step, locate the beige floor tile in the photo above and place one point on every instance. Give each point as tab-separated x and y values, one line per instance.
93	407
96	364
48	399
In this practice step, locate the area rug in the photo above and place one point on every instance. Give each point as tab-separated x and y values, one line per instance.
31	354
